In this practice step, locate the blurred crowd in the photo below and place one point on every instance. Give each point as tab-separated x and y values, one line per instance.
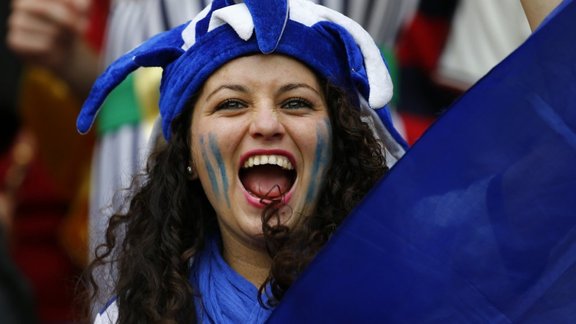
57	187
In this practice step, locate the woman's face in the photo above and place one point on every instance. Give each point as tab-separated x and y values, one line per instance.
260	130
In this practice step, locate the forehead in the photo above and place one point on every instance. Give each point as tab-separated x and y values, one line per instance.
262	69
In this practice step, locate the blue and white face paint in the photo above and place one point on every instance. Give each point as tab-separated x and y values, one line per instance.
260	131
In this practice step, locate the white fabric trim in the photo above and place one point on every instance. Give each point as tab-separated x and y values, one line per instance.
237	16
108	316
189	33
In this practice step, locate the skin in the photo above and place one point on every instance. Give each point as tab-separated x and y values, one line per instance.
50	34
253	105
537	10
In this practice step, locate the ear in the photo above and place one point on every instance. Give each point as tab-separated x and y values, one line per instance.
159	51
191	172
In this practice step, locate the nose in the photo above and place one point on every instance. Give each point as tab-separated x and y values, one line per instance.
266	124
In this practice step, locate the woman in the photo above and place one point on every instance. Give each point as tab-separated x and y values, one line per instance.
266	154
124	120
255	149
271	141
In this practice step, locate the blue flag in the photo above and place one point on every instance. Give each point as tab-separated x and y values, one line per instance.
477	223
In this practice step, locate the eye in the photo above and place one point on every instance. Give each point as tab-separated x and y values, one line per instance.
231	104
296	103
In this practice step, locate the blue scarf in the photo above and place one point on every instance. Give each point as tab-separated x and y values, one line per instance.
225	296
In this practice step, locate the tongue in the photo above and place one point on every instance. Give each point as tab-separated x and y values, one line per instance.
266	181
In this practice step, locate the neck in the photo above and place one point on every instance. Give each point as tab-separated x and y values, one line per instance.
250	261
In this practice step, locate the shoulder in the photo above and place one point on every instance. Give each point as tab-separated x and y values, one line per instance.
109	315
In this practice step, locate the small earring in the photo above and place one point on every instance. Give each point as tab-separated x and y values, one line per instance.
192	175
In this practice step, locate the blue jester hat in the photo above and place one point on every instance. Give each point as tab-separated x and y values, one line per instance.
331	44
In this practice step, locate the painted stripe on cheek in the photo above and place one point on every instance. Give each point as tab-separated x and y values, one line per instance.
321	160
209	168
220	164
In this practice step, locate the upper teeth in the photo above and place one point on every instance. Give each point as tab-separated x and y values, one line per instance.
278	160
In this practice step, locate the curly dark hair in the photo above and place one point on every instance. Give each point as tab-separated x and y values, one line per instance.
169	219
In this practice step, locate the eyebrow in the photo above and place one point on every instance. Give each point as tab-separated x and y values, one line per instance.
233	87
292	86
283	89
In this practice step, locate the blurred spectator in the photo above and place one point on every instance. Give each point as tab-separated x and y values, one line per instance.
16	299
48	236
420	44
446	48
483	33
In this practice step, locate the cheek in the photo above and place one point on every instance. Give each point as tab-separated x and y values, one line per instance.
216	154
322	158
211	167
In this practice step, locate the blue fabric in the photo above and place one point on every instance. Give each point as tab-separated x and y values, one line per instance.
157	51
270	18
477	223
225	296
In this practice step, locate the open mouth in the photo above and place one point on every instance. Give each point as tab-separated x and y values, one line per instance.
267	176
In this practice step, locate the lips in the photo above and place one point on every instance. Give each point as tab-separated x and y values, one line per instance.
267	175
